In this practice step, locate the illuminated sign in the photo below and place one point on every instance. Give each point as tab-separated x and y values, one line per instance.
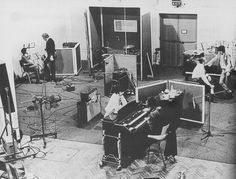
176	3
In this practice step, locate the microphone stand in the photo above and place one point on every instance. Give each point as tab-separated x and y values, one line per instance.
42	100
207	132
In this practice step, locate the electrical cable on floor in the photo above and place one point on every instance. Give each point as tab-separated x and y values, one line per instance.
58	110
33	147
70	99
64	114
50	113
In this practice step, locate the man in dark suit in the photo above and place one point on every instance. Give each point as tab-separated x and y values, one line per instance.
49	63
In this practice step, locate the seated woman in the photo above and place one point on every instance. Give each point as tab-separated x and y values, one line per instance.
28	65
157	120
199	75
224	61
116	102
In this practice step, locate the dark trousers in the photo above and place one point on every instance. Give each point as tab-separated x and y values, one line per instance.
53	70
207	88
171	144
171	141
50	70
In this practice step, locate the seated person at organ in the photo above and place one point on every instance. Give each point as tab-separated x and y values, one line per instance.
156	122
116	102
27	65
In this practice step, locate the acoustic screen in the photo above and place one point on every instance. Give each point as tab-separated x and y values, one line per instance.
193	100
193	107
143	92
4	87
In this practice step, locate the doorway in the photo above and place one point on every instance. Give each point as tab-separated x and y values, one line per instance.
178	33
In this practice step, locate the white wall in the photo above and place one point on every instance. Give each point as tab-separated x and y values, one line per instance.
27	20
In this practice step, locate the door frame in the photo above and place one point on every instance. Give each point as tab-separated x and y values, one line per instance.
164	15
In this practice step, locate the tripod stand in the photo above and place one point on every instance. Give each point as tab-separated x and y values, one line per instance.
208	133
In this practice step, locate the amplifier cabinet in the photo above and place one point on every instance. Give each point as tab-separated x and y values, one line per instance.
123	80
88	93
86	111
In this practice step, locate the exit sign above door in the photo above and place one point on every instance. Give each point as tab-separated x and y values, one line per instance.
176	3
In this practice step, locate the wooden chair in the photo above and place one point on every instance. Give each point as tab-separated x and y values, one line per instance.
158	139
25	72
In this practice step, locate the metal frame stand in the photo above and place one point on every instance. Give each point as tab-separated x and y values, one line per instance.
16	154
109	157
208	132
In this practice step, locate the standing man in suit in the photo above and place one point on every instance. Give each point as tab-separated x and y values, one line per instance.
49	63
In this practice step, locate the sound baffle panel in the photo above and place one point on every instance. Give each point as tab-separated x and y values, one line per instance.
143	92
193	101
4	83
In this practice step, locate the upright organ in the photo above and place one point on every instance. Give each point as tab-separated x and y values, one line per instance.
125	138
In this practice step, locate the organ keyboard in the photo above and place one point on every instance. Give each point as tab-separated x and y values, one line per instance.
126	136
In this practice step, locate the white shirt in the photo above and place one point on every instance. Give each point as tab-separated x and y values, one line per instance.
116	102
199	72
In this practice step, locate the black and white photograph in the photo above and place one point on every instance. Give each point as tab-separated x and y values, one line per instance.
118	89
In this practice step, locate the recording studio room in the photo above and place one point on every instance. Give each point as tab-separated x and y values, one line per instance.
117	89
